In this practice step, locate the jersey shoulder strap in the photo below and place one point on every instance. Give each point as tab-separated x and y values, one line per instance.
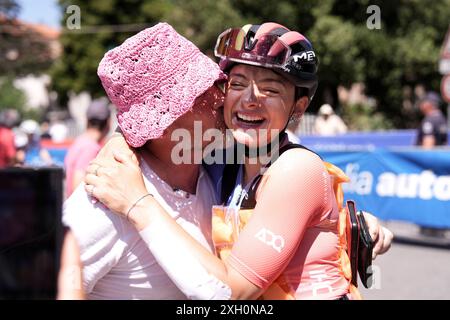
249	201
230	175
229	178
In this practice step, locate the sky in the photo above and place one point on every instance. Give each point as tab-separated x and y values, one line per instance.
40	11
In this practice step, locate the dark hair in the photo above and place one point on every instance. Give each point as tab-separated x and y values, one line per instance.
97	124
301	92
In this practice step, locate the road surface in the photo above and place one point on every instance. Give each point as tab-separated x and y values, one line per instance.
411	271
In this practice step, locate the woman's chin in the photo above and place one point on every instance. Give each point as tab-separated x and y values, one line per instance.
248	138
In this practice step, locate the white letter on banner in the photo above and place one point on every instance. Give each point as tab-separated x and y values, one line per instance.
407	185
442	188
427	179
360	182
364	183
386	185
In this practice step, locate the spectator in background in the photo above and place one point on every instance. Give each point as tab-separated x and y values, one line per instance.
328	123
20	141
32	153
432	133
45	130
7	146
433	129
58	132
85	147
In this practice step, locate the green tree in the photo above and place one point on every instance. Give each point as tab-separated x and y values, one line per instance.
11	97
200	21
207	20
14	98
76	70
403	53
22	50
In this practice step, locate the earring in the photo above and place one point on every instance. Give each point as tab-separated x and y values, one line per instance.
296	117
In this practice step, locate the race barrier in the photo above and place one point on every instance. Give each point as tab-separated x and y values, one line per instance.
362	140
409	184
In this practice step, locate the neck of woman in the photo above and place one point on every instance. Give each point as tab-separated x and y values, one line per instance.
178	176
255	166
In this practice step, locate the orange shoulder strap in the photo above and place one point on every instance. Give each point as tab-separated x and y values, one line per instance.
340	177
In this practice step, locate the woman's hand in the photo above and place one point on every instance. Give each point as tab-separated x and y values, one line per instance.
382	236
118	144
117	184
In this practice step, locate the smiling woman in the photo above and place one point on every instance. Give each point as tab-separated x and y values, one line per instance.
261	100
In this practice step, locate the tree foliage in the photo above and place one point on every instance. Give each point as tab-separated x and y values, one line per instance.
22	49
10	96
207	20
76	70
404	52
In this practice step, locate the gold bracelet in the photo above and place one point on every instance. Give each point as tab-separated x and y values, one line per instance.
134	204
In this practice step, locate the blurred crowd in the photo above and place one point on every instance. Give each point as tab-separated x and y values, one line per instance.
21	141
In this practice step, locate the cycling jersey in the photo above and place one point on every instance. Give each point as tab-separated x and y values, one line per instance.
292	244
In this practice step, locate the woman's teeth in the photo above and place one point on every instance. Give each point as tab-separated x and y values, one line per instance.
248	118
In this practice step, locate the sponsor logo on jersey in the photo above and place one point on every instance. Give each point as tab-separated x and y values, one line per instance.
272	240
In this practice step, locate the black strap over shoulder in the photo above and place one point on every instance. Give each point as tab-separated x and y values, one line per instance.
230	175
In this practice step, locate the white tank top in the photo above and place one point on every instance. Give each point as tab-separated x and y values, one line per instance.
117	262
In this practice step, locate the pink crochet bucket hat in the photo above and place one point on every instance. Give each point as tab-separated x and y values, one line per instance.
153	78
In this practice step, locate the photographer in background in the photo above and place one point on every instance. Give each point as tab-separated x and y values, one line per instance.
328	123
433	129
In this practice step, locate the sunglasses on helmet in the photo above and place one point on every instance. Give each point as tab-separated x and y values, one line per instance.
266	51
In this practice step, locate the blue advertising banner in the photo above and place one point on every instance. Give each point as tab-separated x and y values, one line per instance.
411	185
362	140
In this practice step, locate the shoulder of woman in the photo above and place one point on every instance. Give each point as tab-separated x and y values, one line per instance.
89	219
298	161
296	172
296	168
